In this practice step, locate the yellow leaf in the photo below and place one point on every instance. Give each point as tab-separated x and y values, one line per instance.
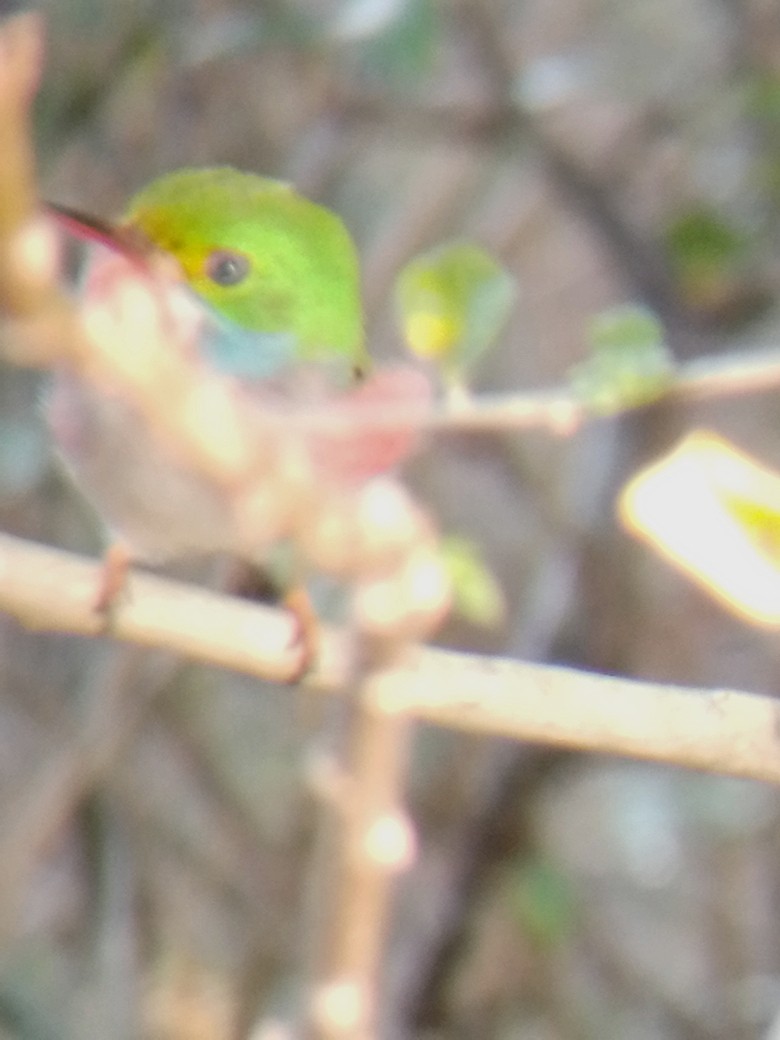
714	512
453	302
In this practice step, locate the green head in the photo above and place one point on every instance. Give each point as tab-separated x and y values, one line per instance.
262	256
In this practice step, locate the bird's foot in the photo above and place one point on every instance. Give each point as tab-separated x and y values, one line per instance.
112	582
257	584
306	633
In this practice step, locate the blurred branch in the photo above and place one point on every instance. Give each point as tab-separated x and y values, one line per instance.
723	731
365	840
20	61
44	324
557	409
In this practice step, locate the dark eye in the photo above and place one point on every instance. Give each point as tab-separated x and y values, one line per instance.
226	268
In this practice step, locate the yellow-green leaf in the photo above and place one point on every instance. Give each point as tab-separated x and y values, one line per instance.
629	365
477	596
542	902
453	302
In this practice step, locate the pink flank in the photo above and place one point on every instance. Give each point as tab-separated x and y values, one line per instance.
354	454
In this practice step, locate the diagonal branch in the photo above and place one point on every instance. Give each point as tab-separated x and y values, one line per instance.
724	731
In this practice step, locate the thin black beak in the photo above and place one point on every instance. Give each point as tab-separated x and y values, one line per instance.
92	229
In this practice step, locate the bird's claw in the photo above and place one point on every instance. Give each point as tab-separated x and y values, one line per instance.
112	582
306	631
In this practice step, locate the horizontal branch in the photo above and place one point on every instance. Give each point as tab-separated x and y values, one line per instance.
557	409
723	731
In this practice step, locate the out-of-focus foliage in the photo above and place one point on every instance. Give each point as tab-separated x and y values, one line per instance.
629	365
714	512
568	137
453	302
477	595
393	42
542	901
708	254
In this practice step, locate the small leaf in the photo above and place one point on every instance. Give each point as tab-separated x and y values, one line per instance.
630	364
701	243
453	302
625	329
542	903
394	40
762	96
709	257
714	512
477	596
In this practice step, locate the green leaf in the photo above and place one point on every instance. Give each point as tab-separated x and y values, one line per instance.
394	41
762	96
542	902
477	596
625	329
453	302
630	364
703	247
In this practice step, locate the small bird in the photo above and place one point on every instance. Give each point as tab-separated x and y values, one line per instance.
275	278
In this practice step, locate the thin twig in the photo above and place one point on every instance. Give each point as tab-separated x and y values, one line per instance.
557	409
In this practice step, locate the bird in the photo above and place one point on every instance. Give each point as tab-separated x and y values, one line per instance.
276	282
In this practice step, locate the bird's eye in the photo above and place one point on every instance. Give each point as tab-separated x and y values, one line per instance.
226	268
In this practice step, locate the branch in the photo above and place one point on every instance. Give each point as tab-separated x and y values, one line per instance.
722	731
556	409
365	840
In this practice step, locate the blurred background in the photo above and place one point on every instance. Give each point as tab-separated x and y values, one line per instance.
155	822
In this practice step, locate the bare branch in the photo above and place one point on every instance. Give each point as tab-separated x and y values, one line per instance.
365	840
49	589
723	731
44	325
557	409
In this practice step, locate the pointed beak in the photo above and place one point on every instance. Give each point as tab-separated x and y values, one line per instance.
126	240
